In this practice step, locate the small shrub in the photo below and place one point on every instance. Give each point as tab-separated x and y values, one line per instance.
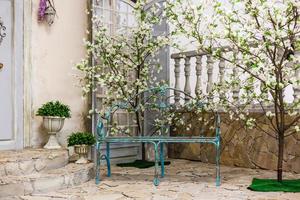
54	109
80	138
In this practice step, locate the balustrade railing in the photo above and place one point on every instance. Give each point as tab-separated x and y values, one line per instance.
196	73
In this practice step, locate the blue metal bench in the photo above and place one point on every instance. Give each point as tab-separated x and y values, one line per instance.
159	100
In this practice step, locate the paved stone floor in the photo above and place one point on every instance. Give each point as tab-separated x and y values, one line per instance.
184	180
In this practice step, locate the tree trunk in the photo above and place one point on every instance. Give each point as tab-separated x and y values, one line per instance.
141	133
280	156
143	152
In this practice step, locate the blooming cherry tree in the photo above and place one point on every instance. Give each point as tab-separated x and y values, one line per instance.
123	63
258	40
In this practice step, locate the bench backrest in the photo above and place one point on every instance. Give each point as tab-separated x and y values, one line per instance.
156	108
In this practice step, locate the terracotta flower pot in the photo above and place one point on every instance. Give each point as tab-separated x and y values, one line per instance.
82	151
53	125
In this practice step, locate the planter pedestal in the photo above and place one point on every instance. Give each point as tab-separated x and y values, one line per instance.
52	142
53	125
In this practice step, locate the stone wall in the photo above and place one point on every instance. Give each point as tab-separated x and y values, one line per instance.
241	147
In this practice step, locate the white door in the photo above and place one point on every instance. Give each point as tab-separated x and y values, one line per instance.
11	74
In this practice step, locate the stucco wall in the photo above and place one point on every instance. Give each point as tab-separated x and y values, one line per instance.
55	50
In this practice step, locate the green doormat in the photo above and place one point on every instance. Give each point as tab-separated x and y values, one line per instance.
142	164
271	185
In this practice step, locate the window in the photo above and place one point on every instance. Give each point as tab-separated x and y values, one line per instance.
116	15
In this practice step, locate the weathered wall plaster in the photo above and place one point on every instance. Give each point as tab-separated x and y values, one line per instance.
55	50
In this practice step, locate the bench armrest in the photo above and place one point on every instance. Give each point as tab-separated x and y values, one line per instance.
101	133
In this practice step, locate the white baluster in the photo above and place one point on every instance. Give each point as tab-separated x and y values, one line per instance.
236	89
222	74
222	70
187	71
296	92
177	80
297	76
210	63
198	74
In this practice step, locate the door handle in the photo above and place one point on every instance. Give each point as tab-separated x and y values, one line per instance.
1	65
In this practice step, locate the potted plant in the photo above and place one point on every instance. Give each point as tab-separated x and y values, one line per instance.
54	114
81	142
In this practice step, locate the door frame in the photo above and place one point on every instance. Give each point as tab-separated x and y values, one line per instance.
27	73
19	64
17	82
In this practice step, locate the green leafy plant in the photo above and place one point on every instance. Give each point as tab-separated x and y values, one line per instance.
55	109
80	138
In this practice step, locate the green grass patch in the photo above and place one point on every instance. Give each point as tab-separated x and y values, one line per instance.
141	164
272	185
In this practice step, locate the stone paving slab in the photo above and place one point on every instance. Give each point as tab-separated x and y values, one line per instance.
184	180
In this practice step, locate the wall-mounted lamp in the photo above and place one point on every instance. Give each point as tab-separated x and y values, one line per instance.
47	11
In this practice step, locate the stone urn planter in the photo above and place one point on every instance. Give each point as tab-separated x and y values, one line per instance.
81	141
54	114
53	125
82	151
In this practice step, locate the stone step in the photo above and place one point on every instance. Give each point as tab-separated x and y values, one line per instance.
29	161
46	181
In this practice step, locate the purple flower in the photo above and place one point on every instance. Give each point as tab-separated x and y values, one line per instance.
42	10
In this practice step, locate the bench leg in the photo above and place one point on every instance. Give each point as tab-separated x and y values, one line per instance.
218	178
98	160
108	159
156	179
162	161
